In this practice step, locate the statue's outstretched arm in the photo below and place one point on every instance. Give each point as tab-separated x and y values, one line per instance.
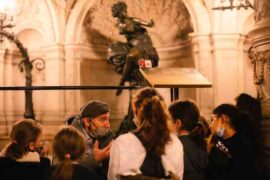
144	23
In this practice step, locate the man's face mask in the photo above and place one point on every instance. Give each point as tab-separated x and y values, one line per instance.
103	135
99	132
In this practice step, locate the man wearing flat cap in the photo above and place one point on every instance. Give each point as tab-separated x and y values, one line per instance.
93	122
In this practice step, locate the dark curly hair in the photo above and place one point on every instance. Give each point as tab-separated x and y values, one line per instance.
118	8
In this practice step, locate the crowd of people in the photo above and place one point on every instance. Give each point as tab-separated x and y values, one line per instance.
174	142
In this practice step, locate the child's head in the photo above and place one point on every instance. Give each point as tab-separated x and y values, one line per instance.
25	136
68	144
185	114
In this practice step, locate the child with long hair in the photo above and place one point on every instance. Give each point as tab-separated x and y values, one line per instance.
69	147
21	154
192	134
152	150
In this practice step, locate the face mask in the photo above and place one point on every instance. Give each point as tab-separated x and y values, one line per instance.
99	132
220	131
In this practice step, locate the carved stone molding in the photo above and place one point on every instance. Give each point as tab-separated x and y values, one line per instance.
27	8
260	33
259	53
259	60
172	21
66	5
262	9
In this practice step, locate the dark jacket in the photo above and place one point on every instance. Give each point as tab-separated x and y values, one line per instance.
88	159
14	170
232	158
80	172
195	159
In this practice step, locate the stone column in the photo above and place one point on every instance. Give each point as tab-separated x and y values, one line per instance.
53	101
227	67
259	54
11	105
203	55
2	93
72	77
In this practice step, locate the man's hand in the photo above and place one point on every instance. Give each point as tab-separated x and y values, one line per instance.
101	154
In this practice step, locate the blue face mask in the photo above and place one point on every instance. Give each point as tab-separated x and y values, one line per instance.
220	131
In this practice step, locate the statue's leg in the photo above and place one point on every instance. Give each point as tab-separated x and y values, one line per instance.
127	124
130	65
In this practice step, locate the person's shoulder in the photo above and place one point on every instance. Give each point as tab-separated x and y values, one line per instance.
4	161
185	138
83	172
76	121
174	137
45	161
125	140
175	142
126	136
187	141
242	142
73	119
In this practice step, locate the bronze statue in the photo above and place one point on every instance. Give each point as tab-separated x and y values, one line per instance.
125	55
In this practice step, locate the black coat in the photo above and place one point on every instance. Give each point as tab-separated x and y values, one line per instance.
80	172
195	159
232	158
14	170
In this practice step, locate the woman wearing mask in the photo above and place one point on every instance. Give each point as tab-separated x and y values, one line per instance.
20	159
151	150
232	155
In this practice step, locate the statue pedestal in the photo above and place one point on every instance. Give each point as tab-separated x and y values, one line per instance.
174	78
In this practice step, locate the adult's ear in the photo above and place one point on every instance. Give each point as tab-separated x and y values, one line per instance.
86	121
134	108
178	124
224	119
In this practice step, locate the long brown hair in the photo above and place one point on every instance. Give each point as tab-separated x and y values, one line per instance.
68	146
22	134
152	114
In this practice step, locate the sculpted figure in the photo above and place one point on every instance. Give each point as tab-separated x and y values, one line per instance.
125	56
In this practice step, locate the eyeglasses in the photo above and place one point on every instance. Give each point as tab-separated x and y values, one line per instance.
42	142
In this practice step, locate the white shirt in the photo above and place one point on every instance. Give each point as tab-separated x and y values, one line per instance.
127	155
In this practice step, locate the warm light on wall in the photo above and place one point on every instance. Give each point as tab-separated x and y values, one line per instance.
6	16
233	4
7	7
